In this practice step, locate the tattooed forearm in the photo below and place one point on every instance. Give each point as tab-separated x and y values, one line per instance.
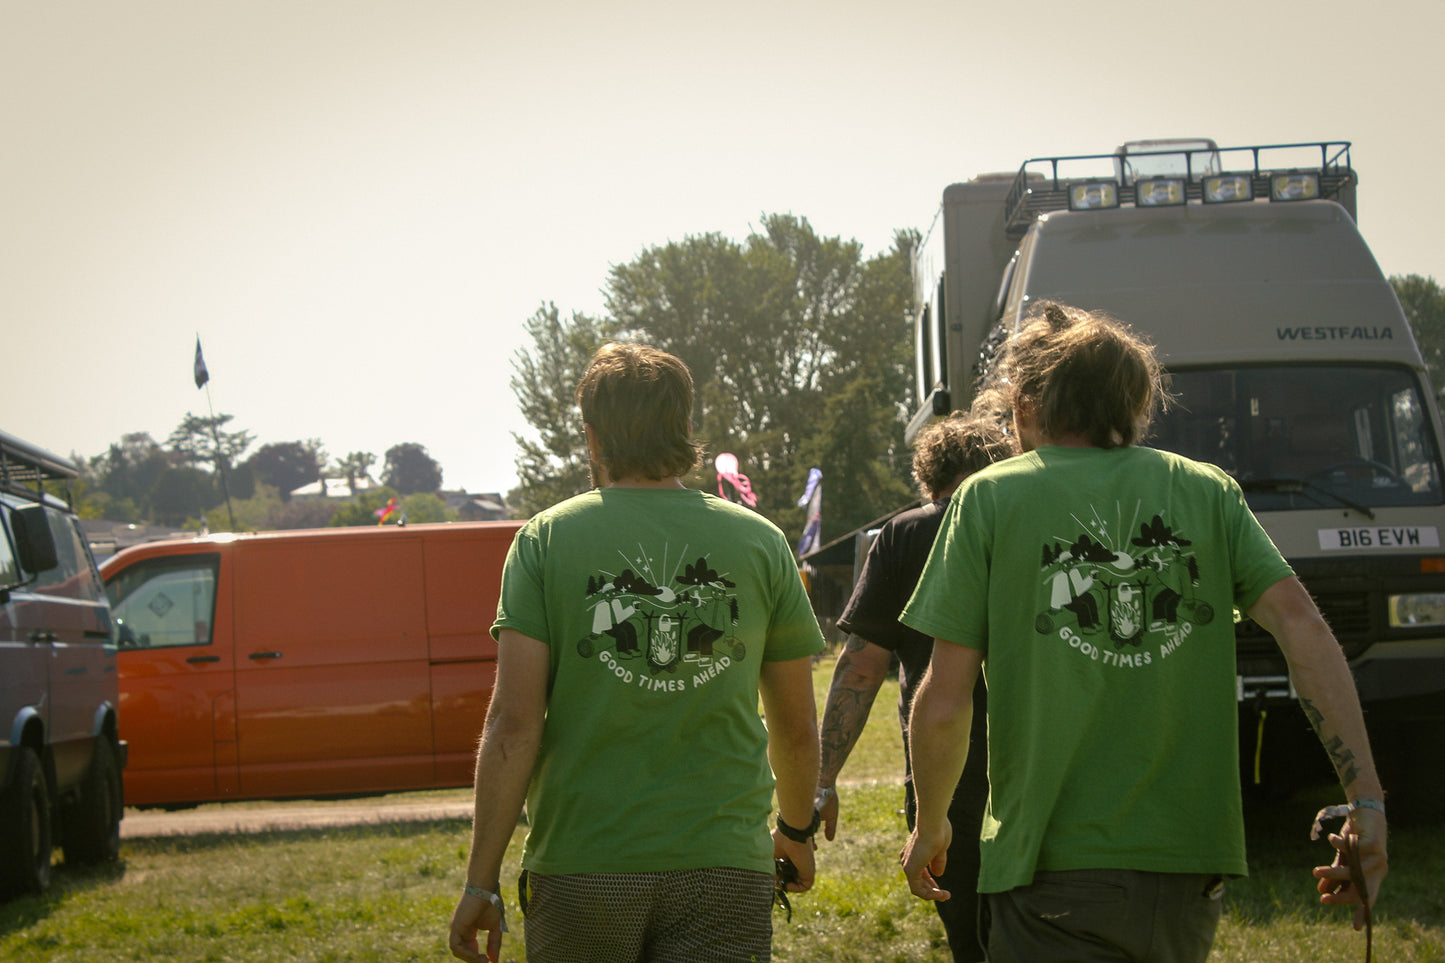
1340	755
850	699
843	721
1344	761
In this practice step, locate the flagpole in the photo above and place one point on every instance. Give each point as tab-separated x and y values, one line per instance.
220	458
203	379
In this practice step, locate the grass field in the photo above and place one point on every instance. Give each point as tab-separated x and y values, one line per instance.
385	893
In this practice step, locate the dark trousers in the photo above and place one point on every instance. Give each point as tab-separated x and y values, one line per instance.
1105	916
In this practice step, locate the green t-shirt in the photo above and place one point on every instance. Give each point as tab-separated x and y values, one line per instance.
660	607
1102	586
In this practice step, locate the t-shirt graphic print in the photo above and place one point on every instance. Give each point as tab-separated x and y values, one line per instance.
663	631
1108	593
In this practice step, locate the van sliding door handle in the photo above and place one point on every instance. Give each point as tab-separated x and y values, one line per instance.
203	658
264	655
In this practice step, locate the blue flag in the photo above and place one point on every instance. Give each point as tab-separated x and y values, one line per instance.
813	499
202	375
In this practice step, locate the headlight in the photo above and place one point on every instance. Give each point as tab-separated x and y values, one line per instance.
1417	610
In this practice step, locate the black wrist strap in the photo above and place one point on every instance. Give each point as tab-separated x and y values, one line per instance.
800	835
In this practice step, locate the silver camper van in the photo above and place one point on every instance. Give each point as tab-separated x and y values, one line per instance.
60	754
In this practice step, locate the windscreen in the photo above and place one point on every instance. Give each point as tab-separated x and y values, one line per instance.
1307	436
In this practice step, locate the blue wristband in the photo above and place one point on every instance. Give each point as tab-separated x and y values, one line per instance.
1374	804
490	897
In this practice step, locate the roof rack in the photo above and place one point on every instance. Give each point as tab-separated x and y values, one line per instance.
1042	184
25	468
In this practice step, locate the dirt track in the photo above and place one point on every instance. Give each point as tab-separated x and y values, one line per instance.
223	819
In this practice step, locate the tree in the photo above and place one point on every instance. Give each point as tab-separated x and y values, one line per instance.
288	465
425	507
264	511
181	494
868	397
301	513
354	467
202	440
552	466
121	480
410	469
1424	304
775	330
800	350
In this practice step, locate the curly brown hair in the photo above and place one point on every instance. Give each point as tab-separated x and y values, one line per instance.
1083	373
638	402
949	450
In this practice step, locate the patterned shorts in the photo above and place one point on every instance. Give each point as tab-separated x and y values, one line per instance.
717	915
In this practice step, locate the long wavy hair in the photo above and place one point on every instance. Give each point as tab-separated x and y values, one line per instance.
1083	373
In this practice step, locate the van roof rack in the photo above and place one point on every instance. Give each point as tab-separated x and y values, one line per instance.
25	468
1044	184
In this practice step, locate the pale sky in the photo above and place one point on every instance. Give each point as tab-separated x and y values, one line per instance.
356	203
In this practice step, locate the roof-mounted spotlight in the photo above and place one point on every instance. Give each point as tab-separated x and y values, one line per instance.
1159	192
1227	188
1093	195
1294	186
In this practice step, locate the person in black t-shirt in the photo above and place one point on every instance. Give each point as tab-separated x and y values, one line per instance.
945	453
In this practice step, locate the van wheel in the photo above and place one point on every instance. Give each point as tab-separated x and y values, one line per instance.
92	825
25	827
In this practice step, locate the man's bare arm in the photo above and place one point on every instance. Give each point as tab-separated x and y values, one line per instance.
1328	698
510	740
792	718
938	727
857	678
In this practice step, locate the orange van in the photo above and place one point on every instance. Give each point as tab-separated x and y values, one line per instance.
305	663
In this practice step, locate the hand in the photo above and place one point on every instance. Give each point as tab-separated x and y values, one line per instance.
826	802
471	915
801	856
1336	885
924	858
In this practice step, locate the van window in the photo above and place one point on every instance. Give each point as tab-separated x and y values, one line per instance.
165	602
73	575
1306	436
9	568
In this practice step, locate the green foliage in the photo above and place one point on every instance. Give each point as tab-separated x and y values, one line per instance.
1424	304
138	481
99	504
553	466
200	439
410	469
119	483
252	514
799	349
181	493
354	467
301	513
265	511
241	481
288	465
362	510
425	507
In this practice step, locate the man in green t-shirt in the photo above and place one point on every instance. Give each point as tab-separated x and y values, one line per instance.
638	626
1093	581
